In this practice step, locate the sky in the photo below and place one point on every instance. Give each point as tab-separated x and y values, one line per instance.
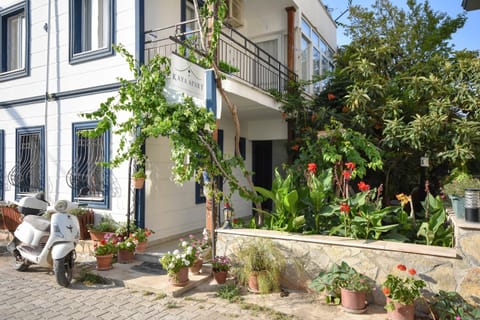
466	38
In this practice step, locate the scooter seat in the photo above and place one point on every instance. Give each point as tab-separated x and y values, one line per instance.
38	222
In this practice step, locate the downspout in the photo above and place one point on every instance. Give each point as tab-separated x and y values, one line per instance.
46	27
291	66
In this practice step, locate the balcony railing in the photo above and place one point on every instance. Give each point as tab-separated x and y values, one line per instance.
237	55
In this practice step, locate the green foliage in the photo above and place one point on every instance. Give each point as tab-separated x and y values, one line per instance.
139	173
403	288
106	224
435	230
448	305
229	292
263	257
340	276
458	185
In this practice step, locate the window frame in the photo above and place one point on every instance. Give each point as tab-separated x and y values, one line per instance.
86	125
76	37
5	14
40	130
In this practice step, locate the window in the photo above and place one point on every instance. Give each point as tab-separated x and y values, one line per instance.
91	29
87	177
2	164
29	171
316	56
14	27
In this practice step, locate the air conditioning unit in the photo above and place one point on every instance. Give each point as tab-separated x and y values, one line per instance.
235	13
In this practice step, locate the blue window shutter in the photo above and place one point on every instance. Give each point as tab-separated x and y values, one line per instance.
2	164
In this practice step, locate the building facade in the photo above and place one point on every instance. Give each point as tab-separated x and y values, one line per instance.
57	62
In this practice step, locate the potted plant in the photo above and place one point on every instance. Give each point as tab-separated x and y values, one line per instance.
104	251
138	178
126	249
176	264
106	225
401	290
140	235
260	264
220	267
200	249
344	285
455	190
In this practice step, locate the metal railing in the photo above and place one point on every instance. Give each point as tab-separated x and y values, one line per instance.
237	55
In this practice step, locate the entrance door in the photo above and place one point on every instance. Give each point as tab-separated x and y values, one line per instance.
262	166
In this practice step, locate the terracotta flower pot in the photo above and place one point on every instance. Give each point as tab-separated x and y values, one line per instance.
125	256
179	279
401	311
104	262
220	276
141	246
97	235
196	266
138	183
253	283
353	301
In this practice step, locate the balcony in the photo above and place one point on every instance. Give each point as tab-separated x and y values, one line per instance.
237	56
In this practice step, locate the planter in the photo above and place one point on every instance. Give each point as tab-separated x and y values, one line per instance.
179	279
353	301
196	266
255	281
11	218
458	206
138	183
97	235
141	246
84	220
401	311
220	276
104	262
125	256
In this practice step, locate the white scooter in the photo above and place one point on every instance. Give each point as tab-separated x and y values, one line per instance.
47	243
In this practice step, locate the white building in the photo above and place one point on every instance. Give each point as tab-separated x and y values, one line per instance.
57	62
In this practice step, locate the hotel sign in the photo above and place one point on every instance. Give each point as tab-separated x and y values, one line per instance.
186	78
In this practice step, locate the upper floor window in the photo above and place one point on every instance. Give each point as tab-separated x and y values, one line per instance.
28	175
87	177
91	29
316	56
14	33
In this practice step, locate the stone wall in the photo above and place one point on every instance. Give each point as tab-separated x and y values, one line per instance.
449	269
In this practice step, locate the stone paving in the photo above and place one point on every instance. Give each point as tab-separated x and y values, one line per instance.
34	294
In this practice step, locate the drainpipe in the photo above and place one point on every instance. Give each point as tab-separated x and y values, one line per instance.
290	65
46	27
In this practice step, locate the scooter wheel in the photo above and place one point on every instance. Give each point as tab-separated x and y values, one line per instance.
20	263
64	270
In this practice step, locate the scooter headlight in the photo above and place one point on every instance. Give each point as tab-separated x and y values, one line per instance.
57	231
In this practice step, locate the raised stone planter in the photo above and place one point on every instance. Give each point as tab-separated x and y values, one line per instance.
449	269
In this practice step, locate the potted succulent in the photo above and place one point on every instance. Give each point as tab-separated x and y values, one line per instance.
260	264
220	267
344	285
401	290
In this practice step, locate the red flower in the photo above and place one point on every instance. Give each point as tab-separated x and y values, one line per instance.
346	174
312	168
363	186
412	271
344	208
386	291
103	241
350	165
295	147
331	96
401	267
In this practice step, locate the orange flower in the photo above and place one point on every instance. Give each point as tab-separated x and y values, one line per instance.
346	174
386	291
350	165
331	96
344	208
412	271
312	168
295	147
401	267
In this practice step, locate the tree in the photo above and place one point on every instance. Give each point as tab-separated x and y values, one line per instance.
401	84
